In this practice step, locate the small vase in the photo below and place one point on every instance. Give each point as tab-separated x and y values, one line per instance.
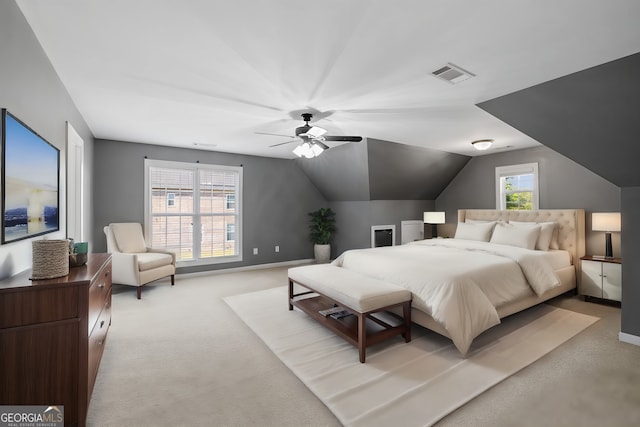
76	260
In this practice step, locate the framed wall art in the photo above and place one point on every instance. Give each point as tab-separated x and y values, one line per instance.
30	182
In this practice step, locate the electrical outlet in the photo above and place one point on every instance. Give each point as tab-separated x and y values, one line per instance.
277	248
255	251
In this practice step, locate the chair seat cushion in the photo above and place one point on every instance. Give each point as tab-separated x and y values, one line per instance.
151	260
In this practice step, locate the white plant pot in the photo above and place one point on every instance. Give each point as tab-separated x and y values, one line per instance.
322	253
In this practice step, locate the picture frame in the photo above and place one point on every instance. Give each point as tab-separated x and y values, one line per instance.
30	182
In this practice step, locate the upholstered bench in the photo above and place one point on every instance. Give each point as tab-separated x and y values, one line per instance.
360	295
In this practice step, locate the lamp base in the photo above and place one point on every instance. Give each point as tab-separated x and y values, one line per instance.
434	231
609	246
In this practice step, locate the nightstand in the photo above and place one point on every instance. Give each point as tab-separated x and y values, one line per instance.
601	277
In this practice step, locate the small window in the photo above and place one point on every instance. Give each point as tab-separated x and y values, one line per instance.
231	232
517	187
230	201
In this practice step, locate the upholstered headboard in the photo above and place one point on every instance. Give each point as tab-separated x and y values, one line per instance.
571	228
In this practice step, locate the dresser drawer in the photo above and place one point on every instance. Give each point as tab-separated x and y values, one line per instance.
38	305
98	292
97	340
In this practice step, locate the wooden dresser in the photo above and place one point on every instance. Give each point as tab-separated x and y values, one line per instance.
52	335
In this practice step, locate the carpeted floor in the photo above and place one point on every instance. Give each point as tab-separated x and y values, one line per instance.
419	382
181	357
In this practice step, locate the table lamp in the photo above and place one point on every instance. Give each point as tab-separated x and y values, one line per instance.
608	222
434	218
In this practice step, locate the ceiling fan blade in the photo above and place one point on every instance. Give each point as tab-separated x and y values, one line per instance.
315	132
342	138
283	143
274	134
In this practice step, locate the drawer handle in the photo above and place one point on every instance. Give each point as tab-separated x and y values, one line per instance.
101	324
100	342
101	285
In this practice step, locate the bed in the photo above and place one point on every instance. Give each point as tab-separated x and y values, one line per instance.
499	263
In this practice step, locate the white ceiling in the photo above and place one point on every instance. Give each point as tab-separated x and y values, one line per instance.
215	72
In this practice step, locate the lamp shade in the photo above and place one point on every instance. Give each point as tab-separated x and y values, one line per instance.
434	217
605	221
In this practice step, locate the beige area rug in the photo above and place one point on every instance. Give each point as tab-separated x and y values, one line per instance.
413	384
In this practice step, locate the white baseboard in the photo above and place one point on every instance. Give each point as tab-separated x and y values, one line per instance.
248	268
628	338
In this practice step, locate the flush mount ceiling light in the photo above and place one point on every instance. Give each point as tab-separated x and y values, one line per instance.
482	144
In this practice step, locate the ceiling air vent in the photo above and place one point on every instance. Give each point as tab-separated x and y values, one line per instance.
452	74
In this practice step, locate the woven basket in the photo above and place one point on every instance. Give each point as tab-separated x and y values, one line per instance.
50	259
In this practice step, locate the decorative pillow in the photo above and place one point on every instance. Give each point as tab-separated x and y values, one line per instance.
474	231
548	238
554	238
128	236
522	237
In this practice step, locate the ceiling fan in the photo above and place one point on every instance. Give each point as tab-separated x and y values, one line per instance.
313	138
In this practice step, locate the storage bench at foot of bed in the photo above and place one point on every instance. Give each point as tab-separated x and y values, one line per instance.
364	297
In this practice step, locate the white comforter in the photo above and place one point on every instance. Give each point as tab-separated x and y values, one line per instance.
459	283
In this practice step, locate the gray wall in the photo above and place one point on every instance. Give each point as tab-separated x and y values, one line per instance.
355	219
405	172
630	266
32	91
592	118
382	170
563	184
277	196
341	173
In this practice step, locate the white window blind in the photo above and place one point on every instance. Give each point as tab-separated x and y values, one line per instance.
188	210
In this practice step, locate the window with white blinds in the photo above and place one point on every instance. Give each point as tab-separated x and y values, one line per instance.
194	210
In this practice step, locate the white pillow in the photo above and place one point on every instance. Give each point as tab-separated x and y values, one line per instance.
548	238
522	237
474	231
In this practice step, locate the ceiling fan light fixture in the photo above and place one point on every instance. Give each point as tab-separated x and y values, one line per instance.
482	144
308	150
316	149
299	151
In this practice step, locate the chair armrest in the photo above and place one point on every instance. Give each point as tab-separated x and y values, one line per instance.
164	251
125	269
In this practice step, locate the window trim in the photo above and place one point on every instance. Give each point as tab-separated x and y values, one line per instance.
521	169
195	167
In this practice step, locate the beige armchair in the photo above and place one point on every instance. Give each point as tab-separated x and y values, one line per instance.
133	263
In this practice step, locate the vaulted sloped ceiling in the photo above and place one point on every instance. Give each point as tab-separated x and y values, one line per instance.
382	170
591	117
216	75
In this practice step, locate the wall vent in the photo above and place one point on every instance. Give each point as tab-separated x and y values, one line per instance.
452	74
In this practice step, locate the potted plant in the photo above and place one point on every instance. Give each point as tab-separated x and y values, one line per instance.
322	226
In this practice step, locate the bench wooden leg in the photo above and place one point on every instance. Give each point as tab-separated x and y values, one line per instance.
290	294
362	335
406	313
